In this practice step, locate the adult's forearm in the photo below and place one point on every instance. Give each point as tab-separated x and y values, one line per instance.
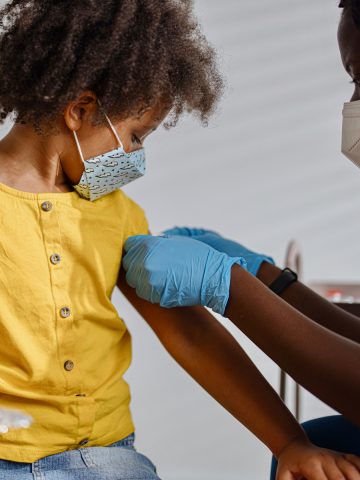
325	363
314	306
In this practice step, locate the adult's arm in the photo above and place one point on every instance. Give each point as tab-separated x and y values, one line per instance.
263	266
323	361
314	306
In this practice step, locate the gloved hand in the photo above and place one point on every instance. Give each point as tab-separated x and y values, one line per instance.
177	271
231	248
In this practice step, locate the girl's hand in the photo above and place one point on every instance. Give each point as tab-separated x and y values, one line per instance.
301	460
233	249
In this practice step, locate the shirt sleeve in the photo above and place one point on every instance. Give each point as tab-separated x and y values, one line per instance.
138	223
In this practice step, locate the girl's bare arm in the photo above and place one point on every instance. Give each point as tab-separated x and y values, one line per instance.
207	351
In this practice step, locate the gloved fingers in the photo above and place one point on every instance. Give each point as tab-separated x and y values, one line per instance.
177	271
130	277
126	261
188	231
134	258
133	241
147	287
144	293
137	277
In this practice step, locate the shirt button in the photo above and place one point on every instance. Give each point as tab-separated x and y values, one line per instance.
55	258
46	206
69	365
84	442
65	312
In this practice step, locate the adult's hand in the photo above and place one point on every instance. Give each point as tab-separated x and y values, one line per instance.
177	271
231	248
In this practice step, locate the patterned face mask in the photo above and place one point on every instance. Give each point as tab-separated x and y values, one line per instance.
350	144
110	171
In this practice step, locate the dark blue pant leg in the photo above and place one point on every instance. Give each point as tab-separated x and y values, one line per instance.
333	432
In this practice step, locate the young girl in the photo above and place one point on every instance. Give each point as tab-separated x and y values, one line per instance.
86	82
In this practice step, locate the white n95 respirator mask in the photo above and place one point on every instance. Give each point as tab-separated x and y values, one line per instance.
350	143
110	171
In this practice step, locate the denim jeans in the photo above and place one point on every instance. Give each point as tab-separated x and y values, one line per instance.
118	461
334	432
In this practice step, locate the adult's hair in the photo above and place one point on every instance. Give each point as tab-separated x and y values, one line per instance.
130	53
354	7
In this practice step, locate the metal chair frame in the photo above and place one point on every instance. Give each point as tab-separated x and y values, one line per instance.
293	260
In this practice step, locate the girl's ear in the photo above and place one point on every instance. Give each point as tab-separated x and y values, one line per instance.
80	110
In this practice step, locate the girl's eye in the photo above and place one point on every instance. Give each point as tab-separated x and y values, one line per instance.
135	139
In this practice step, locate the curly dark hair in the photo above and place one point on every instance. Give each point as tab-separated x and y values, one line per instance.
130	53
354	6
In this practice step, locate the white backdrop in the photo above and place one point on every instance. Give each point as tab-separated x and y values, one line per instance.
267	169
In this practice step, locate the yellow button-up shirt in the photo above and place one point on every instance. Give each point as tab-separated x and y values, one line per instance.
63	347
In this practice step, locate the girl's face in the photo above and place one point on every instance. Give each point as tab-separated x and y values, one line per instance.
99	140
134	130
349	44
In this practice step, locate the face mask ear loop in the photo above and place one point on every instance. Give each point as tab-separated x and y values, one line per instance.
112	128
78	146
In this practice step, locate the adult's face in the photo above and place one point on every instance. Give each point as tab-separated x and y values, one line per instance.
349	44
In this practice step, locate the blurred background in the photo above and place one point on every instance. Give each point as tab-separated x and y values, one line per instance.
267	169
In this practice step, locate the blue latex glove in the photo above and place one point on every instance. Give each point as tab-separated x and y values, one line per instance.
231	248
177	271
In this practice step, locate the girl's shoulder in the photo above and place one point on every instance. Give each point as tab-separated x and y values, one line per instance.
126	201
135	215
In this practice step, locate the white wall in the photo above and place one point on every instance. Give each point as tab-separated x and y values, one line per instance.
267	169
